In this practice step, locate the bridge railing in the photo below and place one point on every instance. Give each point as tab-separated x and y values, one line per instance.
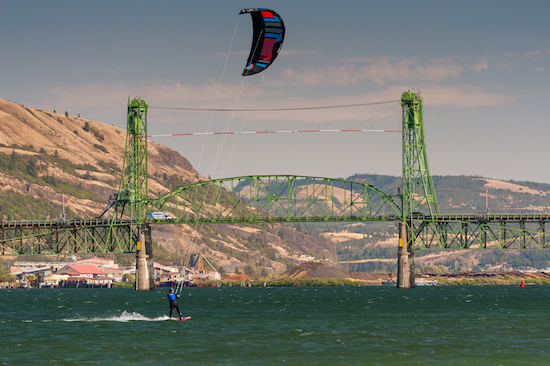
498	217
79	222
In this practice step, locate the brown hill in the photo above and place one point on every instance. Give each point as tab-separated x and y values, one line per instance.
316	270
326	269
88	155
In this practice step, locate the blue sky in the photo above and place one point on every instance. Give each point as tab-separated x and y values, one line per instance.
482	67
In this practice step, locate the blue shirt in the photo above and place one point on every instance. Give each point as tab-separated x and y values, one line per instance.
172	296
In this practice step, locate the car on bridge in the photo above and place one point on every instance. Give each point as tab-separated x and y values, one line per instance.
159	216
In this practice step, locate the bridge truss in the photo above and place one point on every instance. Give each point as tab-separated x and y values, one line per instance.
76	236
277	198
249	199
489	232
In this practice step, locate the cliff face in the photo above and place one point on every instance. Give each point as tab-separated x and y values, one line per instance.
53	159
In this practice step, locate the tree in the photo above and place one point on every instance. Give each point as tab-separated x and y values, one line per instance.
66	114
86	127
13	161
8	278
5	274
33	169
128	278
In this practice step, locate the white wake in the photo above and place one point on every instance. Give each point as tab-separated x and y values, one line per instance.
124	317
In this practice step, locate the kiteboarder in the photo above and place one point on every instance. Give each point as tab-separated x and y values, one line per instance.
174	302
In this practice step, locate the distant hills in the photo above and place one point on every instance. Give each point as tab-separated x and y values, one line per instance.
466	194
373	247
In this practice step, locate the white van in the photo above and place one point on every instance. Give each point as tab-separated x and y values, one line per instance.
159	216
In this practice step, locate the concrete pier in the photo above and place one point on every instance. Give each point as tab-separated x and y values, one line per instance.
142	280
405	260
145	267
149	259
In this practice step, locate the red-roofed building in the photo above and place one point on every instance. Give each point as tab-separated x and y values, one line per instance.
81	270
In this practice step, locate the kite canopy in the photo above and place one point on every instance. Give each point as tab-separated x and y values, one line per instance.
269	33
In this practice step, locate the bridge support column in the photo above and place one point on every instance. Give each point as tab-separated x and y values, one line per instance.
412	283
145	268
405	260
142	272
149	250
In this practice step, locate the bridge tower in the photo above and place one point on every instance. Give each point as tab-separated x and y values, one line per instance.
133	183
132	195
418	196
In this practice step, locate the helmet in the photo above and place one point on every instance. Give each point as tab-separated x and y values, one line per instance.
171	289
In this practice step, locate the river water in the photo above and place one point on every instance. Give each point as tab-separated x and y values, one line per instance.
444	325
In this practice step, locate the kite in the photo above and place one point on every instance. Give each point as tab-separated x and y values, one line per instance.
269	33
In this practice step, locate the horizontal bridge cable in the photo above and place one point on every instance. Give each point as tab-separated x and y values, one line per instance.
256	132
271	109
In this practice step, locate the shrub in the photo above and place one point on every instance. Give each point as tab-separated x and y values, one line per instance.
101	148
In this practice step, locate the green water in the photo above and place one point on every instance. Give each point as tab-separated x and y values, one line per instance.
481	325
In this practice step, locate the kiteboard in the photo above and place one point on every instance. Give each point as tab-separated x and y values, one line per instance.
182	318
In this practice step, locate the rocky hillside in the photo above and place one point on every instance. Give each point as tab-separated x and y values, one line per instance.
48	158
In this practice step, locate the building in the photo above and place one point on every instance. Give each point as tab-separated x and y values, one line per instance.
99	262
203	275
23	273
84	275
106	265
165	273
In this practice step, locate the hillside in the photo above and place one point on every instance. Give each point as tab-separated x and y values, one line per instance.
373	247
48	158
466	194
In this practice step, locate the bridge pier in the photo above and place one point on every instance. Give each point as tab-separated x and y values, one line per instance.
405	260
150	261
145	268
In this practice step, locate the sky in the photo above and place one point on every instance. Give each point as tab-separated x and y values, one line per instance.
482	69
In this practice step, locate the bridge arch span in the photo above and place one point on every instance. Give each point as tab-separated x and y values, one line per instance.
276	198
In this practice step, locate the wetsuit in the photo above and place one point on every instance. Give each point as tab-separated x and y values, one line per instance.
173	303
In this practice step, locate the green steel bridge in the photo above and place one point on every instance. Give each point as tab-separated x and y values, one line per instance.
279	198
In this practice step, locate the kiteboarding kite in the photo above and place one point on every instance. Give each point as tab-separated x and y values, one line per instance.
269	33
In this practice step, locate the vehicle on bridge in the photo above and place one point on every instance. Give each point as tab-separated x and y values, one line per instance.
159	216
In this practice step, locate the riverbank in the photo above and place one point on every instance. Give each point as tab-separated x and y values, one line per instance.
488	278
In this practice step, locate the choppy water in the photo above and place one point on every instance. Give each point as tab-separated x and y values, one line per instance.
481	325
